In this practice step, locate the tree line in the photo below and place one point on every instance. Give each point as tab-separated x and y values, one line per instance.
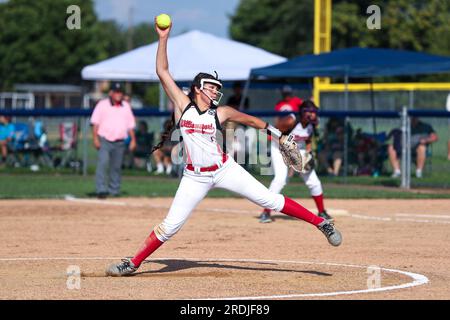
286	27
36	45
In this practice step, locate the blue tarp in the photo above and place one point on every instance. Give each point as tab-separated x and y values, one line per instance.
357	63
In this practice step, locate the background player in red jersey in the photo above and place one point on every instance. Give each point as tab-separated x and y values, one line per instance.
303	131
289	101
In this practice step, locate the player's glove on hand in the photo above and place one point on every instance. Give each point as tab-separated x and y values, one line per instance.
311	163
292	156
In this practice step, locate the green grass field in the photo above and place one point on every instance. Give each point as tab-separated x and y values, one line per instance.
23	185
56	183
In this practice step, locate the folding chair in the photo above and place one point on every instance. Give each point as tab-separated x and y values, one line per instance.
68	140
19	146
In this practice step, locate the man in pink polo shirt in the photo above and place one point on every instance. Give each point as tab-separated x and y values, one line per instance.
113	121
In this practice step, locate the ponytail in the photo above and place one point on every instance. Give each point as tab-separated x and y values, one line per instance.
191	94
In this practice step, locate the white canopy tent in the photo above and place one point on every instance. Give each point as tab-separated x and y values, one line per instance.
189	54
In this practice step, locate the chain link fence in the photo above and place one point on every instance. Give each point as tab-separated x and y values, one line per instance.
62	140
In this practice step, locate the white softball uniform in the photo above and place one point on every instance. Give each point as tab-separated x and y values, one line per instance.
198	130
281	170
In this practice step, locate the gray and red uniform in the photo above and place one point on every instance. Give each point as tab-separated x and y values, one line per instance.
302	136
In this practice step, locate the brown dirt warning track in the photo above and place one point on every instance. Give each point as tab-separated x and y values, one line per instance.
224	252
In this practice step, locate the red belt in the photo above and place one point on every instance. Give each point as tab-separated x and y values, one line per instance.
208	169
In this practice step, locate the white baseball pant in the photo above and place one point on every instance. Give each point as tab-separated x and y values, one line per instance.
195	186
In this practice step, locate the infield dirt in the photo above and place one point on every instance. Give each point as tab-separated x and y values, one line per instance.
41	239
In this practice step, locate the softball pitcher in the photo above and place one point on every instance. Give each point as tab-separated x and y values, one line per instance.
303	131
199	119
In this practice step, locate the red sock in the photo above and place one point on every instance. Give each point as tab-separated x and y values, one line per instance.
319	202
150	245
267	211
292	208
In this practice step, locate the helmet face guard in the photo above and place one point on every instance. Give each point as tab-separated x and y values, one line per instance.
203	78
218	94
312	120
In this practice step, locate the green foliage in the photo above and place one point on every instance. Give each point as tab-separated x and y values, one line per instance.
37	47
143	34
151	96
416	25
286	27
349	27
282	27
411	25
110	38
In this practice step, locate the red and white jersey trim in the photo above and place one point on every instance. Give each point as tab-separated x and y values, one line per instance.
199	130
301	135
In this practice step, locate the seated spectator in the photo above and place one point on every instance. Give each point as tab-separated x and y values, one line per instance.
231	144
19	146
162	155
366	148
68	139
39	146
6	136
333	141
144	143
422	135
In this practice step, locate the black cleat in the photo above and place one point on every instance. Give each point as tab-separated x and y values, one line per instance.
102	195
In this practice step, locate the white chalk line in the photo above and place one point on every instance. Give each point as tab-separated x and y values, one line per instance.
423	215
58	258
364	217
394	219
423	221
418	279
333	212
